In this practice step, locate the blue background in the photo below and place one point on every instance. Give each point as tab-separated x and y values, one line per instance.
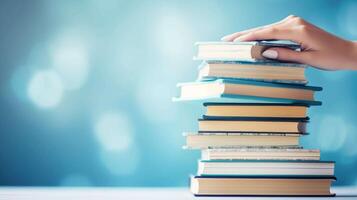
86	87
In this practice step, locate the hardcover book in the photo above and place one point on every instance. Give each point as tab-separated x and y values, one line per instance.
239	51
251	90
209	140
260	154
252	125
266	167
272	110
262	186
262	71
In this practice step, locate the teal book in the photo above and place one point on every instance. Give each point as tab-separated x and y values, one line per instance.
239	91
239	51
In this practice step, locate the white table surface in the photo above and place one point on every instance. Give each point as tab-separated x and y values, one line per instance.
102	193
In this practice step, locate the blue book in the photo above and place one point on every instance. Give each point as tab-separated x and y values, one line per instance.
227	90
239	51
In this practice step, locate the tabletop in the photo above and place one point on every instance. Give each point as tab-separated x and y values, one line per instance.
94	193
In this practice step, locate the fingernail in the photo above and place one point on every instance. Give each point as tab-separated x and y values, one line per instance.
225	38
270	54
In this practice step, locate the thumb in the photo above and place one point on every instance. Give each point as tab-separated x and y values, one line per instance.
286	54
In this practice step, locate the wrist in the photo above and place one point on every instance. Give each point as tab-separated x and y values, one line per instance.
352	55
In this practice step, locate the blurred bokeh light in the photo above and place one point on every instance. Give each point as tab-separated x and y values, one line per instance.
45	89
86	87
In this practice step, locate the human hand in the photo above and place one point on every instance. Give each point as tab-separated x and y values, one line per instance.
319	48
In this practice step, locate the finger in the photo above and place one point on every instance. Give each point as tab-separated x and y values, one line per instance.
231	37
285	54
273	33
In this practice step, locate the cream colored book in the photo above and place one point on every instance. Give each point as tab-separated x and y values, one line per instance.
256	110
252	126
260	154
262	71
204	141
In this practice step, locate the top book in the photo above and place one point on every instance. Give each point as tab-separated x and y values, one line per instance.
239	51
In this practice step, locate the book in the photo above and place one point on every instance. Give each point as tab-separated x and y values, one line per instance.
260	154
261	186
261	168
207	140
264	71
252	90
252	125
256	110
239	51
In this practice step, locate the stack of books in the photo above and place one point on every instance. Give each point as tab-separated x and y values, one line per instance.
256	112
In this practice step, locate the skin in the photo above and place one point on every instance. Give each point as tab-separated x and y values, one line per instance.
319	48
